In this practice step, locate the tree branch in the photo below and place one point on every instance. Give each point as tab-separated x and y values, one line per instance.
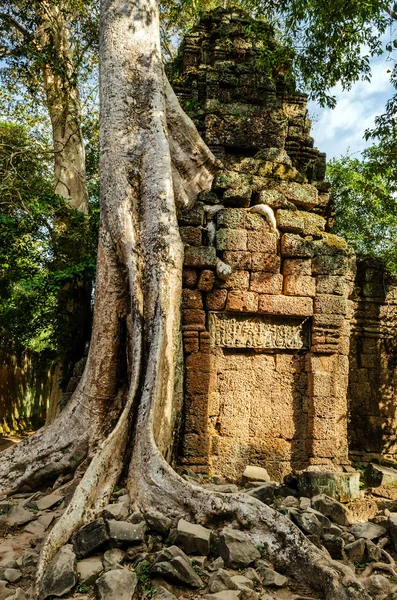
15	24
391	13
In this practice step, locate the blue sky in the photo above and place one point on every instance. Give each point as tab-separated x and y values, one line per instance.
336	130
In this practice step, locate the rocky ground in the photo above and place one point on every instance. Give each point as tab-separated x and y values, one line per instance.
125	555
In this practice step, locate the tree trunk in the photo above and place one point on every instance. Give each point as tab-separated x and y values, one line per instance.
63	103
151	156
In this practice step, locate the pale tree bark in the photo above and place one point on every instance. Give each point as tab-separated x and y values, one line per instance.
64	107
151	157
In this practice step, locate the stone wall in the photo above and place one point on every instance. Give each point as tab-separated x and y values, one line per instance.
372	391
266	349
26	384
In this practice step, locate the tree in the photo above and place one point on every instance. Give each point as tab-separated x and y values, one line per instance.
122	414
365	205
42	62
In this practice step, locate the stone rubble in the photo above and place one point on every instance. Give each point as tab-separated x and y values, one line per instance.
153	556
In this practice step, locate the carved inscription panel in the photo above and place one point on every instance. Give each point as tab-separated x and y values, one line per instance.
259	332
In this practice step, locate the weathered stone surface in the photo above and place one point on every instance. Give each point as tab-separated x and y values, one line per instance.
221	580
255	473
90	538
271	578
224	595
377	475
12	575
118	511
49	501
236	548
309	523
299	285
290	221
120	584
266	283
5	592
172	563
124	532
114	557
377	585
89	569
285	305
192	538
293	245
163	594
368	531
334	544
17	516
231	239
200	256
264	493
332	508
158	522
341	486
355	550
60	576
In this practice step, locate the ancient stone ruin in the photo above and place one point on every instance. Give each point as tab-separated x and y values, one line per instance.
287	361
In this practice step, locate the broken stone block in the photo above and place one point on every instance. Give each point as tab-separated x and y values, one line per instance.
125	532
120	584
12	575
334	544
239	580
158	522
332	508
5	592
60	576
378	476
90	538
216	564
17	516
236	548
172	563
163	594
355	550
254	473
368	531
192	538
271	578
118	511
221	580
377	585
89	569
392	526
49	501
341	486
309	523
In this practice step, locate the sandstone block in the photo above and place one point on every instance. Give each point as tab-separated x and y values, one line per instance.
125	532
232	218
262	242
172	563
300	285
216	300
231	239
192	538
328	487
238	196
236	548
239	280
60	576
118	583
297	266
275	199
190	341
192	298
330	304
206	280
193	318
254	473
198	361
192	236
89	569
238	260
290	221
320	384
285	305
265	283
271	578
256	222
304	195
200	256
219	581
242	301
90	538
324	264
294	245
270	263
193	216
377	475
332	284
368	531
189	278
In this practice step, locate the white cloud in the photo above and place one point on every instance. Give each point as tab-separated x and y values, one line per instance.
336	130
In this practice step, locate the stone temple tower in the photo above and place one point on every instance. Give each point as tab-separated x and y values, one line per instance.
266	348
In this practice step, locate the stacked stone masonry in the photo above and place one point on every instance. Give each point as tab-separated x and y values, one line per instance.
267	349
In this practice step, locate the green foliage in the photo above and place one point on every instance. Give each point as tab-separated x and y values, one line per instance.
33	269
365	203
